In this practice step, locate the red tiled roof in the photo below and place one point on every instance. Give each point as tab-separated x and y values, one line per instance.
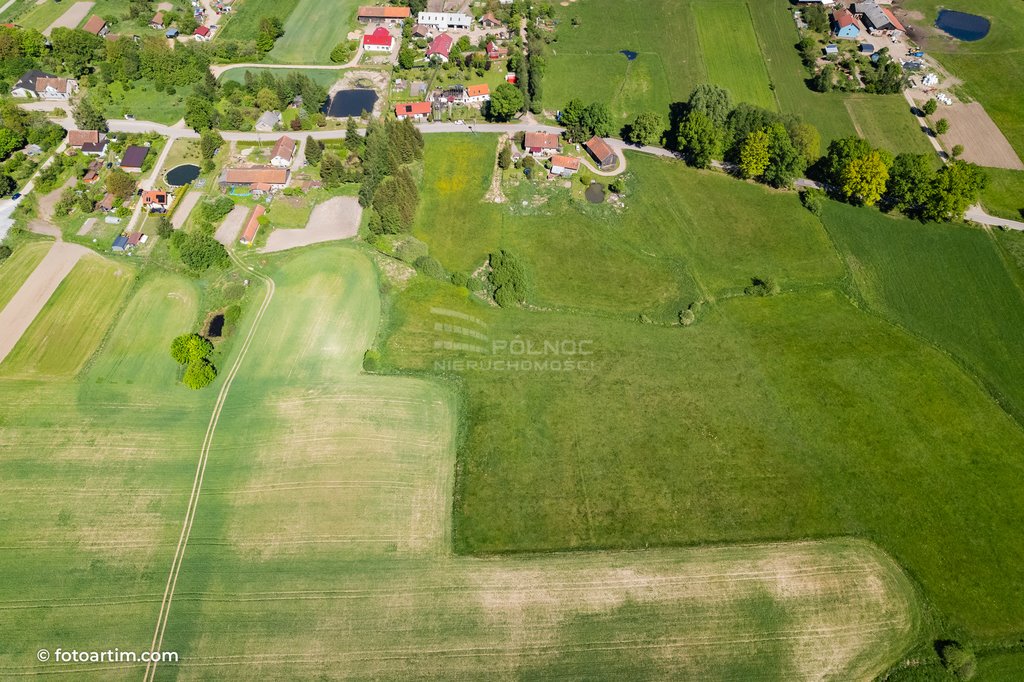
384	12
154	196
284	148
478	90
412	109
380	36
892	17
134	238
248	176
441	45
540	141
570	162
843	18
76	138
599	148
202	31
253	226
94	25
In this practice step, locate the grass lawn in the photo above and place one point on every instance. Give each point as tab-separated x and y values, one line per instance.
183	151
145	103
289	212
324	77
990	67
16	269
886	121
43	14
73	322
243	22
1004	195
313	29
735	64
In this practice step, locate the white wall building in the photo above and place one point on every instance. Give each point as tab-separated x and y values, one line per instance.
444	21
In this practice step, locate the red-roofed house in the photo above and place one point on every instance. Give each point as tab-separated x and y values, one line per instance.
540	144
601	152
155	200
495	52
417	111
478	93
253	226
380	40
440	47
564	165
202	33
282	153
96	26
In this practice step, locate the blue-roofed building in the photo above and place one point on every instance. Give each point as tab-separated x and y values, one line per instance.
171	33
831	49
120	244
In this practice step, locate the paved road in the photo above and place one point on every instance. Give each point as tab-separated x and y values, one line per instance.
7	206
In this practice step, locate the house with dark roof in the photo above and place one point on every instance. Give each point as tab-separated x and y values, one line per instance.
440	47
120	244
171	33
133	158
844	25
97	26
540	144
42	85
421	31
282	153
878	18
268	120
601	151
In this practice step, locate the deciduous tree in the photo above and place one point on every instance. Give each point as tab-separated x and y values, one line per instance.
864	178
754	154
506	102
700	139
646	129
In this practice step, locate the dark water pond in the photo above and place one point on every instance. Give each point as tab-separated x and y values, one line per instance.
595	193
350	103
963	26
182	175
216	327
630	55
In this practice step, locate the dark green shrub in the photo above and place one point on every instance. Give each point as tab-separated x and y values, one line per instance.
430	267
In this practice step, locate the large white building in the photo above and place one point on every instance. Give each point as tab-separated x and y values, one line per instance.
444	21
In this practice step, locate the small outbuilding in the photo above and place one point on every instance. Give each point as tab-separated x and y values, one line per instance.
564	165
134	157
120	244
253	226
603	154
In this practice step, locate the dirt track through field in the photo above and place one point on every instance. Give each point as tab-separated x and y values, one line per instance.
72	17
336	218
228	231
18	314
181	213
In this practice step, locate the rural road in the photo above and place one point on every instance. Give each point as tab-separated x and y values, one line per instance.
7	206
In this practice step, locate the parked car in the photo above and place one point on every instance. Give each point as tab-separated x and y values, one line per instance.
129	117
16	196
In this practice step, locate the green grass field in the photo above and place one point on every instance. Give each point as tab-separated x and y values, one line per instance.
1004	195
16	269
72	324
788	417
244	22
145	103
886	121
313	29
42	15
735	64
324	77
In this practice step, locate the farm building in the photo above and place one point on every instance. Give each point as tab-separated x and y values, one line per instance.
96	26
539	144
246	178
878	18
602	153
120	244
444	21
387	15
564	165
134	157
844	25
420	31
36	83
440	47
267	121
380	40
253	226
417	111
823	3
283	151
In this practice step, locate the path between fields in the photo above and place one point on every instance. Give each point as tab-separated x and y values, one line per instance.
204	454
187	203
3	8
25	305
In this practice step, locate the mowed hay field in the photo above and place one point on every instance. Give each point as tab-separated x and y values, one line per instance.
72	323
324	77
795	416
322	545
735	63
313	29
244	20
96	469
16	269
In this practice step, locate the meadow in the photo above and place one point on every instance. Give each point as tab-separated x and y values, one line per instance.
735	64
312	30
1004	194
324	77
244	20
16	269
819	412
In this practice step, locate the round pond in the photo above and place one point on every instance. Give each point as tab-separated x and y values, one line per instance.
963	26
182	175
595	193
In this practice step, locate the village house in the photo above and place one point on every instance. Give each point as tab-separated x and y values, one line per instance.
91	142
96	26
879	18
384	15
602	153
245	178
478	94
844	25
564	165
440	47
202	33
157	21
155	200
105	204
92	173
134	157
417	111
36	83
444	21
282	153
495	52
540	144
253	226
267	121
380	40
490	21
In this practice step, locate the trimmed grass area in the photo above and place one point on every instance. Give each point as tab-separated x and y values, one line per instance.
735	64
43	14
243	23
324	77
16	269
69	328
145	103
991	67
886	121
1004	195
313	29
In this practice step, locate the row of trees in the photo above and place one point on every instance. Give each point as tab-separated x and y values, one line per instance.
387	183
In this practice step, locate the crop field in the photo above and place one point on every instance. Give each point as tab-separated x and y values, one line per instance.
71	325
43	14
16	269
244	22
786	417
735	64
312	30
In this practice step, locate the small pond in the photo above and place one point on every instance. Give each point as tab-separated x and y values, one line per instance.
182	175
963	26
629	54
350	103
595	193
216	326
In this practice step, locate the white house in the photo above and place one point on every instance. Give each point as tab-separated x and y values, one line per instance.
283	152
380	40
444	20
478	94
42	85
